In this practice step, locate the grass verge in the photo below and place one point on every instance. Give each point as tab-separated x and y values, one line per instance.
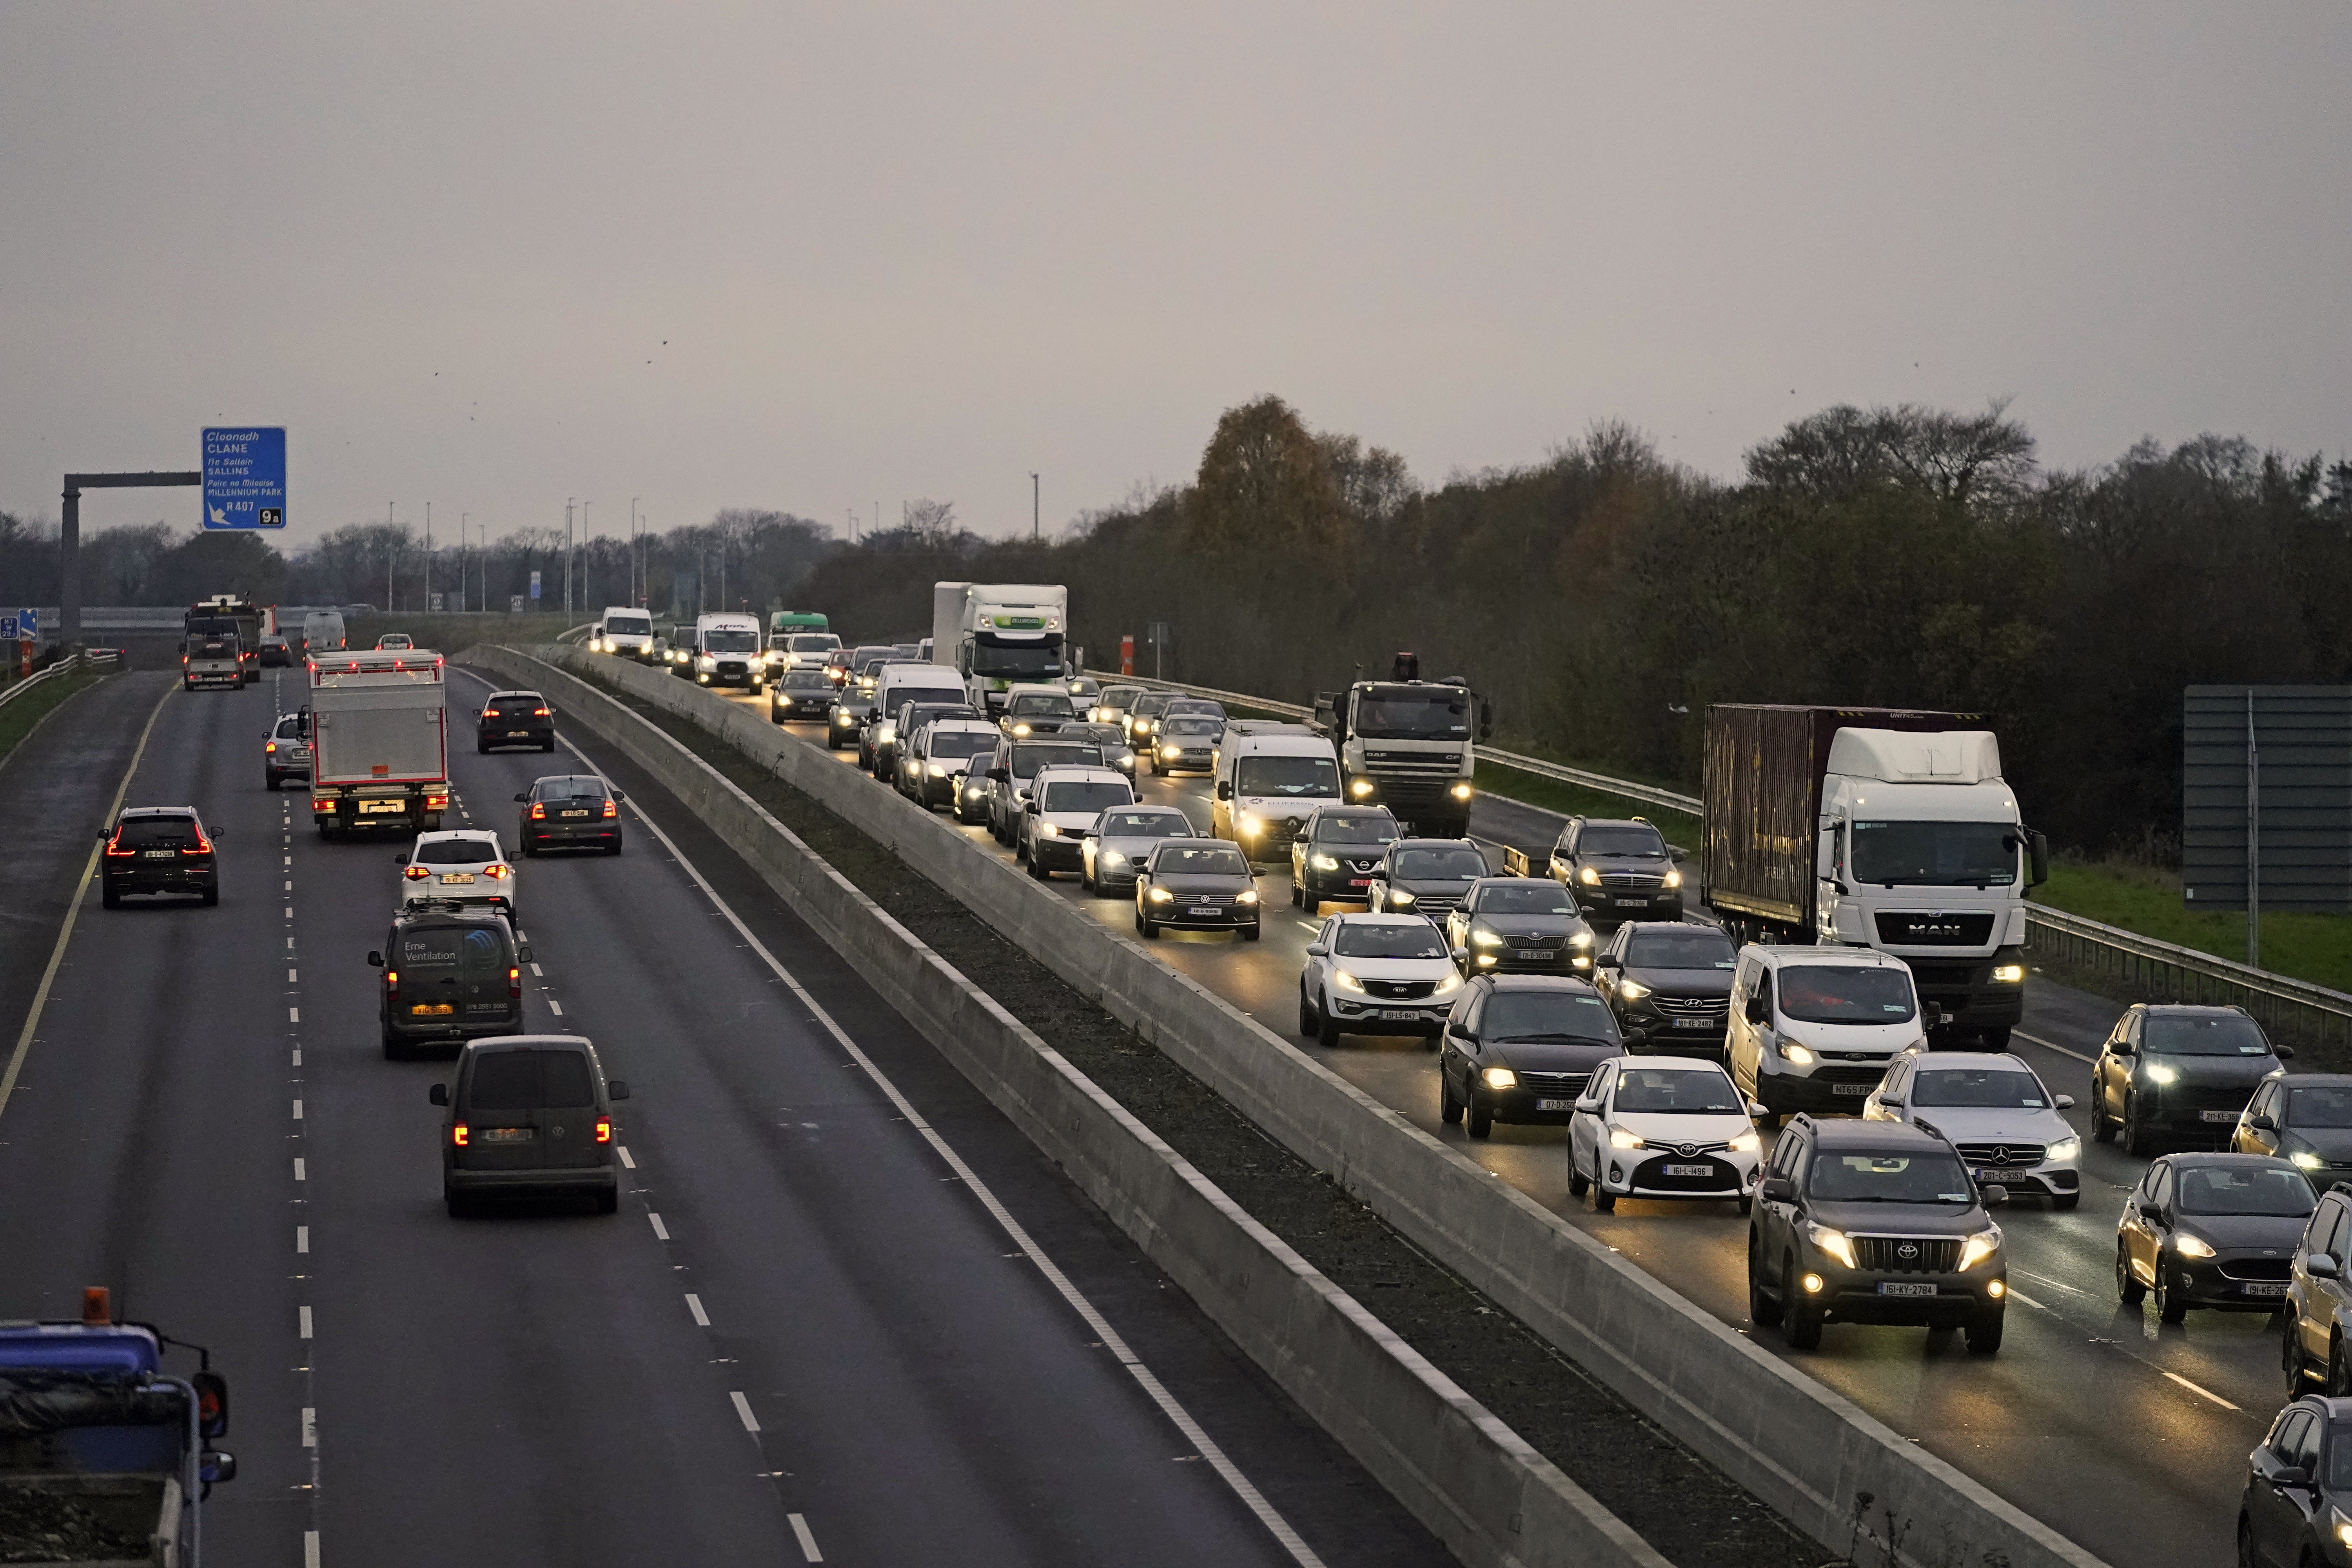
2313	947
22	717
1682	1506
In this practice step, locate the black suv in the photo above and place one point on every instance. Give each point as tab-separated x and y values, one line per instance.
1336	852
1874	1222
158	850
1671	984
2178	1071
2298	1486
515	719
1619	869
451	972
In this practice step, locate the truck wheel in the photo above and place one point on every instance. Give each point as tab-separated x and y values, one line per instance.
1995	1039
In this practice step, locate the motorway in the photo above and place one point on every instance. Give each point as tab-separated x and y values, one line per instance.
805	1337
2128	1436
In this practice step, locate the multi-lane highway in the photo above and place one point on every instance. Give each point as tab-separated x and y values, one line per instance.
2128	1436
805	1337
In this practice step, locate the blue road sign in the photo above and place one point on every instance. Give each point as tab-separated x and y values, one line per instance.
12	628
244	477
534	584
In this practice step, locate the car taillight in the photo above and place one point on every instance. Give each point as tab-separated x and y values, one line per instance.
392	980
611	810
514	981
538	814
498	872
204	847
539	712
459	1133
603	1130
114	845
271	747
415	873
490	712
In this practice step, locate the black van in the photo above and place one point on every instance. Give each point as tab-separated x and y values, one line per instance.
531	1116
452	973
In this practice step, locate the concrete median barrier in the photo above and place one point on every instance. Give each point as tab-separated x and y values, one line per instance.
1468	1476
1788	1439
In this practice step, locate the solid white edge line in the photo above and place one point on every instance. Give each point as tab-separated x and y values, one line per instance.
694	1305
743	1411
1202	1444
807	1540
2052	1045
2201	1393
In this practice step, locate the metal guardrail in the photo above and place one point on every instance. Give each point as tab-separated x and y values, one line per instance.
2162	971
70	662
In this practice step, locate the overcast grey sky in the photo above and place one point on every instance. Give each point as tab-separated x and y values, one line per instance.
495	255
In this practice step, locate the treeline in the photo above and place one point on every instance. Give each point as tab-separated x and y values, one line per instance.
1602	598
741	559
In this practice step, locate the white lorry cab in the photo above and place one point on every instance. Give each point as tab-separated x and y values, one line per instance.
727	652
625	630
1266	777
997	635
1815	1029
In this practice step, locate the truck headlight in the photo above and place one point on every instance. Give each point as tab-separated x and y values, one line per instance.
1323	862
1360	789
1500	1078
1979	1246
1589	876
938	769
1461	792
1020	729
2008	974
885	733
1048	830
2304	1158
1832	1242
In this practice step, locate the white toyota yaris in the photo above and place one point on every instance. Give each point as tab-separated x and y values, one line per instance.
1662	1127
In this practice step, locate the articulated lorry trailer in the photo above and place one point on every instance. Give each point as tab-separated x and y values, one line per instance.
1001	634
1879	828
1406	743
379	740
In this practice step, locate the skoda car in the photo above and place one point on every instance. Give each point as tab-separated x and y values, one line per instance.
2176	1071
2212	1230
570	811
1619	869
1518	923
1669	983
1661	1127
1115	848
2306	1121
1376	975
515	719
800	696
1522	1048
1196	885
1996	1111
1424	877
1335	851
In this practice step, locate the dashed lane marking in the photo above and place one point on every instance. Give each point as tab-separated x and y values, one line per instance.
2201	1393
807	1539
694	1305
306	1322
743	1411
660	1230
301	1238
310	1426
554	1006
299	1173
298	1110
2055	1045
623	1150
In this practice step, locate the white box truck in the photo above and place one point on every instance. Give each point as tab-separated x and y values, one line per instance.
379	740
1000	635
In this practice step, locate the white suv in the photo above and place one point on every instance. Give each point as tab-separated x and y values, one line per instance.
1996	1111
1376	975
464	866
1064	802
1815	1029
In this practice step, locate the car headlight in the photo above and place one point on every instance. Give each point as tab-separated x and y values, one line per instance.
1170	753
1589	876
1461	792
1979	1246
972	791
2306	1159
2192	1247
1360	789
1581	938
1484	939
1748	1142
1674	879
1247	896
2063	1150
1620	1137
2340	1527
2008	974
1395	897
1449	986
1500	1078
1159	895
885	733
1632	989
2159	1073
1796	1055
1049	829
1020	729
1832	1242
1347	982
939	771
1252	824
1113	857
1323	862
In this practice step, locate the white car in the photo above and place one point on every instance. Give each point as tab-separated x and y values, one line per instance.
1662	1127
1376	975
395	642
466	866
1996	1111
1063	803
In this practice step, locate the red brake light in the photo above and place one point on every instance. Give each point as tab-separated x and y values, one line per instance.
204	847
498	873
514	981
271	747
113	844
458	1133
611	810
603	1130
490	712
539	712
538	814
392	979
415	873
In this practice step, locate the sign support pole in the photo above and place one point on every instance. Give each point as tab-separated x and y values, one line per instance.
69	538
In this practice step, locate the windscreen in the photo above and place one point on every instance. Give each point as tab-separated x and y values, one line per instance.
1199	860
1100	734
1991	1088
1693	947
1825	994
1935	854
2319	1108
2208	1035
1379	829
1074	795
1439	864
1546	1015
1524	899
1146	824
1042	705
157	832
580	787
807	681
957	744
1427	714
1684	1091
812	642
938	697
1193	724
1891	1179
530	1080
2245	1190
1198	707
455	851
729	639
1636	840
1118	697
468	952
990	657
1028	759
1286	776
865	658
1366	940
289	728
629	626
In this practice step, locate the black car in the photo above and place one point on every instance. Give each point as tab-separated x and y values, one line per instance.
451	972
1335	851
1619	870
1670	985
2212	1230
1142	716
2299	1488
1029	713
2306	1121
1196	884
158	850
531	1116
515	719
1522	1048
570	811
1424	877
1519	925
1874	1222
1008	774
800	696
2174	1070
274	650
844	724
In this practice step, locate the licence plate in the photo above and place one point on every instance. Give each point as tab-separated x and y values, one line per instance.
1398	1015
449	877
1359	881
570	814
511	734
1695	1023
2264	1287
2008	1178
1203	909
1530	953
506	1134
1690	1169
1904	1288
432	1009
158	854
1555	1105
1854	1089
383	807
1641	902
2217	1116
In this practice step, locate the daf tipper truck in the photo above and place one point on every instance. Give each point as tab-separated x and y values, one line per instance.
379	740
1000	635
1879	828
1405	743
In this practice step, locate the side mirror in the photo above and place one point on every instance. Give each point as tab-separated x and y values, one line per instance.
522	953
397	860
2039	845
1589	1105
616	1088
2284	1053
213	1467
2065	1102
2292	1475
1224	789
1458	954
105	833
1777	1190
620	795
1001	776
375	959
1932	1016
1757	1012
211	1403
438	1094
2119	1047
1317	950
1611	960
1453	1027
2262	1123
523	796
1756	1108
1994	1195
2321	1266
1677	854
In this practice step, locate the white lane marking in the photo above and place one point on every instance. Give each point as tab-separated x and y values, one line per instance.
659	1229
300	1174
1181	1418
298	1110
306	1322
310	1426
694	1305
623	1150
1309	925
2051	1046
554	1006
310	1549
301	1238
2054	1284
743	1410
289	859
298	1055
289	977
2021	1296
535	969
290	915
293	1014
808	1541
289	884
290	944
2201	1393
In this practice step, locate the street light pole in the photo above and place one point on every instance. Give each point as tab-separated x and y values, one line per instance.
463	518
633	550
585	562
1034	509
568	504
388	526
429	557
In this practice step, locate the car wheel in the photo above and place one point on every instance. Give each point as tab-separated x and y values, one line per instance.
271	780
1297	896
1085	880
1579	1183
2291	1366
1449	1111
108	898
2246	1558
1148	926
2169	1306
2339	1376
1801	1319
1481	1122
1306	1022
1746	1203
1984	1331
609	1201
1762	1309
211	896
2063	1202
1603	1200
2102	1130
1037	867
2136	1141
1327	1027
1253	933
2129	1289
